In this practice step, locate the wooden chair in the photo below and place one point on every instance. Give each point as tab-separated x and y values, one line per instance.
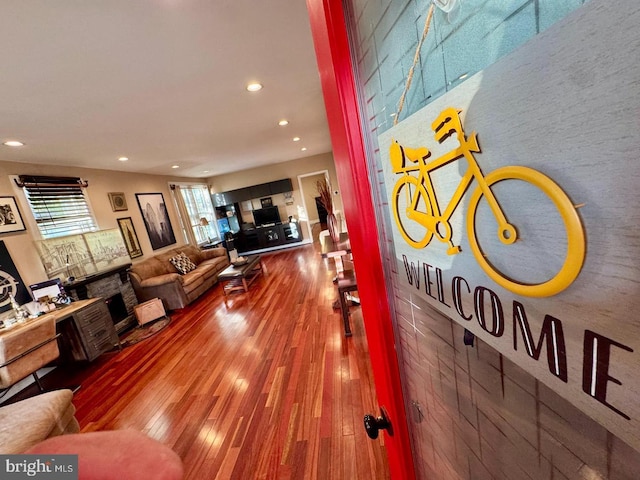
346	283
25	348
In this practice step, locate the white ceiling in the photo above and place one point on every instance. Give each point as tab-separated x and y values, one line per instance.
161	82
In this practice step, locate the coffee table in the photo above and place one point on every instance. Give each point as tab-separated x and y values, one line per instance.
239	277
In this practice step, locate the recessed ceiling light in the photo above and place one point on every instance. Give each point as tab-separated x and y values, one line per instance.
175	166
123	159
205	171
304	149
283	122
254	87
13	143
296	139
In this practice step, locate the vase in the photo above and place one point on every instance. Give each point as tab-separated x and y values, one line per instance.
332	226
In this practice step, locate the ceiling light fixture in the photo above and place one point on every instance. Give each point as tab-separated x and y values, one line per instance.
13	143
123	159
254	87
296	139
175	166
304	149
283	122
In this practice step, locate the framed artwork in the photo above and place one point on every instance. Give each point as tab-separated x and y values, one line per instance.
82	254
130	238
11	284
118	201
156	219
10	218
266	202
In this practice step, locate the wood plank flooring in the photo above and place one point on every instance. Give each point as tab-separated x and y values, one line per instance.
265	386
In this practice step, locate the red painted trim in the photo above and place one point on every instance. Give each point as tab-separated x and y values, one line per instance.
334	63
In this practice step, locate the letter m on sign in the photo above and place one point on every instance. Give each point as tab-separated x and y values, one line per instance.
551	333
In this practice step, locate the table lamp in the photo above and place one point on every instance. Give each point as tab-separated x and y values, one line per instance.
205	223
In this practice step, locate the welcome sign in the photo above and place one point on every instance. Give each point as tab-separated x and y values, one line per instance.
514	210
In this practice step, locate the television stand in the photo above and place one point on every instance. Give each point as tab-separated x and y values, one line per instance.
267	236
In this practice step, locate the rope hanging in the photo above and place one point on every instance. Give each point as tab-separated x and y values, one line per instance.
416	57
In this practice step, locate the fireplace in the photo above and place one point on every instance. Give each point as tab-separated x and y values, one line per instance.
117	308
112	285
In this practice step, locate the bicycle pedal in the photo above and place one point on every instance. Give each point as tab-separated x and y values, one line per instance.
453	250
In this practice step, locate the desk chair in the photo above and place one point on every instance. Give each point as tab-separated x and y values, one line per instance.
25	348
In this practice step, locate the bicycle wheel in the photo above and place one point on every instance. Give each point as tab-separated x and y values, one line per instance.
413	232
570	261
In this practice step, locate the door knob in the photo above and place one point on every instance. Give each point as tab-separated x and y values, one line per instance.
374	424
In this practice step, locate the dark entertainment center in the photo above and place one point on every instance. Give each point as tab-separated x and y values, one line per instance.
266	229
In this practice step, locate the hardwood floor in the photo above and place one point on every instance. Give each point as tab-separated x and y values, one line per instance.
266	386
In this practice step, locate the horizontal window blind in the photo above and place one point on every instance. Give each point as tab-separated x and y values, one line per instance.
58	204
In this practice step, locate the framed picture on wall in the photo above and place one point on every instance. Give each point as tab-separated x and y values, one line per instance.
266	202
10	218
118	201
130	237
12	284
156	219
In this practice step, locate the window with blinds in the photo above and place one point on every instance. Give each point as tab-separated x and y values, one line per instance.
58	204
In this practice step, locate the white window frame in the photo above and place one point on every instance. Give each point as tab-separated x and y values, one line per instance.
197	209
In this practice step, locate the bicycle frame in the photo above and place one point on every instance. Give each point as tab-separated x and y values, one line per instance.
447	124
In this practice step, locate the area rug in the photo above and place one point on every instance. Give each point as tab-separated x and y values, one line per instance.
143	332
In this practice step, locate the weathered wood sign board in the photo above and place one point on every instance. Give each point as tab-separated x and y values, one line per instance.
515	205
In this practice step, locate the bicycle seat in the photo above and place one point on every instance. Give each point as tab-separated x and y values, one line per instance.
398	154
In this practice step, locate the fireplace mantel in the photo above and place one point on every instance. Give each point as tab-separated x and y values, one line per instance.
80	285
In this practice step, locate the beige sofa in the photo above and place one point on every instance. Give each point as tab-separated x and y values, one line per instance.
156	277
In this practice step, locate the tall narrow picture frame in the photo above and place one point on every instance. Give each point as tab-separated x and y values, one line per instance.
156	219
10	218
130	237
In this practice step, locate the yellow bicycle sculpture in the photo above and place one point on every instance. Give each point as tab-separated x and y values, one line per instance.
419	196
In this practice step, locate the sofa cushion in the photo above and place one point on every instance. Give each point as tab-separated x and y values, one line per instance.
182	263
194	253
192	280
219	263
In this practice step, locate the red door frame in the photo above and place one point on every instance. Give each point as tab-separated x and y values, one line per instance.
329	33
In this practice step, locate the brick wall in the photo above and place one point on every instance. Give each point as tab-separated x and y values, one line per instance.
474	414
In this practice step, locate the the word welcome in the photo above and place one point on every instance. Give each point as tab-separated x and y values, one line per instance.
488	312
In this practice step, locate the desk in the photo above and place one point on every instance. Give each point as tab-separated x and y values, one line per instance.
85	327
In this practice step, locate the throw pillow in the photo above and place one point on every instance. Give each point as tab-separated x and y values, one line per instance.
182	263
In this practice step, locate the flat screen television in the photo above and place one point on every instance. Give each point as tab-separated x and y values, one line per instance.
266	216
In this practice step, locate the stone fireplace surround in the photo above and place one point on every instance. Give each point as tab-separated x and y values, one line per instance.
113	285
